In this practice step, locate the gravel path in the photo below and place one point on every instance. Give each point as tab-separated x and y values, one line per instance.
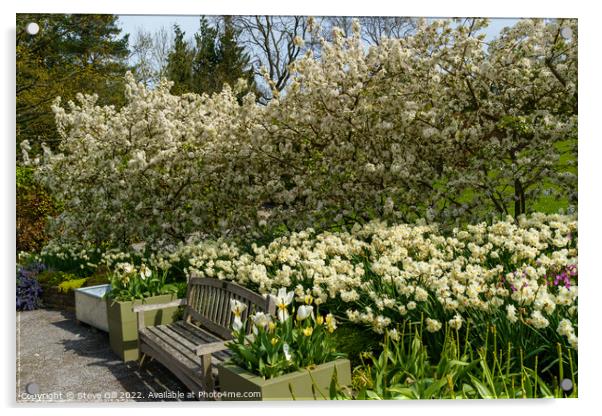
63	361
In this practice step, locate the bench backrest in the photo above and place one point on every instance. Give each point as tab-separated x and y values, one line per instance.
208	302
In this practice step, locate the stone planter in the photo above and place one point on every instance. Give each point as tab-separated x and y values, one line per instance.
123	326
235	381
91	306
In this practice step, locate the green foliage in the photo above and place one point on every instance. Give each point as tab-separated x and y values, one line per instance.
82	262
70	54
33	207
98	278
206	62
132	285
352	340
405	370
55	278
71	285
67	282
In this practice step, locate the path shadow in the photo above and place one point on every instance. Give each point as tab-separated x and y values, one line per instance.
93	344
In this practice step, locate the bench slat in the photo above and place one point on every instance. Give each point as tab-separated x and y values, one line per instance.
211	326
172	336
193	333
203	336
222	298
183	342
215	299
157	340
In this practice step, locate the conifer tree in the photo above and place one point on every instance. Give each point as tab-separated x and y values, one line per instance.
179	64
234	62
216	59
70	54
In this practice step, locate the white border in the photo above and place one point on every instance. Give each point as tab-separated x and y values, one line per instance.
589	186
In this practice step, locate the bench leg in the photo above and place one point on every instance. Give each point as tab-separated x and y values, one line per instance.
206	369
141	362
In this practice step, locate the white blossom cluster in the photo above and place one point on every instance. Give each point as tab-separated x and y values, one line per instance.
439	124
379	275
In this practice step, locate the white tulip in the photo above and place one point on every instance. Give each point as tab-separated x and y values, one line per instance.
282	300
261	319
304	312
237	324
286	350
237	307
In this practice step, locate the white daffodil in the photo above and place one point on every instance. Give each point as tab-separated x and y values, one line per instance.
433	325
456	322
394	335
304	312
126	267
282	300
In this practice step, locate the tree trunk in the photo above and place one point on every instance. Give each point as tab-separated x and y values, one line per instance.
519	198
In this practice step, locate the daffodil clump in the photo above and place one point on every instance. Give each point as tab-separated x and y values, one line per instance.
295	338
521	276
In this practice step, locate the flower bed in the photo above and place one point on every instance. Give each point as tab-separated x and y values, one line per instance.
519	277
378	274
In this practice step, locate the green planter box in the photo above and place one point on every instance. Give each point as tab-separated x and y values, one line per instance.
235	381
123	326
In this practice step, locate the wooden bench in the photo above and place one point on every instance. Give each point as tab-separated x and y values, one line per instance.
190	348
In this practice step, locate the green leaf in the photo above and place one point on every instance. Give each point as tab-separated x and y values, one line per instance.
481	388
372	395
404	393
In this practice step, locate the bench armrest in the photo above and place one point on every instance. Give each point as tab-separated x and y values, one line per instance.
210	348
144	308
140	309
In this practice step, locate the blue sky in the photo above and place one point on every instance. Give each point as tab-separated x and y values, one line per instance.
190	24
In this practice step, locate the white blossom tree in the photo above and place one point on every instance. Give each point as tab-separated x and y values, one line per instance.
439	124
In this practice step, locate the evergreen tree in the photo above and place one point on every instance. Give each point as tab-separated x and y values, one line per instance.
70	54
206	62
234	61
179	64
215	60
